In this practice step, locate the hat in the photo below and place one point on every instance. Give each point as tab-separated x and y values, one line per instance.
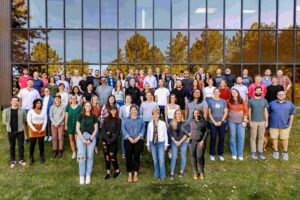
57	95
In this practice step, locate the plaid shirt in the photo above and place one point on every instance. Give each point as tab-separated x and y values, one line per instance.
284	81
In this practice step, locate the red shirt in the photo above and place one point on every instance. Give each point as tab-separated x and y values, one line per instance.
225	93
141	81
45	82
251	92
23	81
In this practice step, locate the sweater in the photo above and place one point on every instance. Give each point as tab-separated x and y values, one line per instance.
6	117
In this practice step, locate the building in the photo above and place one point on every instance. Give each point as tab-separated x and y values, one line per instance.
64	35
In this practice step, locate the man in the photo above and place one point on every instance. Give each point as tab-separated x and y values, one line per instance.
55	75
90	76
103	91
37	82
84	83
201	73
157	76
285	82
266	79
218	78
97	79
282	114
14	119
230	78
273	89
257	82
162	97
22	81
111	81
181	75
172	82
243	90
151	80
134	92
75	79
181	96
258	119
129	77
187	82
247	80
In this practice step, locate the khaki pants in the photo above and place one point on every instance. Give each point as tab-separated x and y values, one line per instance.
258	130
57	133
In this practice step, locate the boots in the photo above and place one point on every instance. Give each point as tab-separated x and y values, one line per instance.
54	155
60	153
31	160
42	158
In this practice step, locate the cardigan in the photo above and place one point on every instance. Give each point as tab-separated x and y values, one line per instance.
6	117
162	132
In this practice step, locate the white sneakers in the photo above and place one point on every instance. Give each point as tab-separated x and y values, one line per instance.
221	158
87	180
81	180
234	157
74	155
212	158
241	158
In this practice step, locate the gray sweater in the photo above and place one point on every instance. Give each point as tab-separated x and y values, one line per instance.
57	114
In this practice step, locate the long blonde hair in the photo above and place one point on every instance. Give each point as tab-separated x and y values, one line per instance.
173	123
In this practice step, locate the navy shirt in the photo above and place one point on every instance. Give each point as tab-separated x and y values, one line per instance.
111	81
217	80
38	84
280	114
247	81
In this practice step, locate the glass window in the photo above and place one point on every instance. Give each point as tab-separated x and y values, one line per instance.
19	48
252	70
285	14
17	70
215	46
250	14
86	68
268	46
233	14
55	14
72	68
298	14
197	13
161	50
215	14
146	67
285	46
55	69
37	68
233	46
250	46
179	13
126	47
179	47
177	68
144	43
73	46
235	69
297	86
55	46
195	69
37	13
19	14
37	46
213	68
91	47
162	14
268	14
264	67
109	13
163	69
91	13
109	47
298	47
73	13
197	46
144	14
127	14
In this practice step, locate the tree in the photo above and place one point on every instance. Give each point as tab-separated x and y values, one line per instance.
215	46
198	49
19	13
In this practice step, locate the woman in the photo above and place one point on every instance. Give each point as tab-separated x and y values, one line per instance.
164	78
47	103
87	96
157	143
76	92
178	141
197	131
196	102
52	86
207	77
62	79
133	130
68	77
141	77
110	132
147	108
198	77
64	96
217	113
97	112
37	122
224	90
195	86
86	127
208	90
111	101
170	109
119	93
237	121
145	91
121	78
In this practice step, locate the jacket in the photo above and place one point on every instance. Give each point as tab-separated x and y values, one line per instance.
111	129
198	129
162	132
6	117
50	103
133	128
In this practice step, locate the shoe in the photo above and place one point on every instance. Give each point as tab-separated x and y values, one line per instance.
74	155
135	178
285	156
107	176
81	180
87	180
276	155
117	174
170	154
42	160
195	177
26	141
172	177
54	154
13	164
241	158
201	177
221	158
181	174
46	138
253	155
22	163
212	158
123	156
50	139
31	161
262	155
60	153
129	179
234	157
96	150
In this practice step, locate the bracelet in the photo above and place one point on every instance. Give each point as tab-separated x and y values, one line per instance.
90	140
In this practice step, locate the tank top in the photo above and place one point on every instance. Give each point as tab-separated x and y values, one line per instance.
171	112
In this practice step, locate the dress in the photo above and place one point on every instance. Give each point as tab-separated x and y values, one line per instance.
72	118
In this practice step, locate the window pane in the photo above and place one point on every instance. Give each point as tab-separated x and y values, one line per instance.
197	46
298	47
92	67
91	46
109	13
197	13
213	68
180	13
55	46
73	46
37	68
285	46
250	14
268	14
19	48
127	47
126	14
72	68
19	14
215	14
268	46
177	68
37	13
264	67
55	14
144	14
298	14
91	14
252	70
285	14
109	47
215	46
162	13
250	44
179	47
37	46
233	14
161	46
297	86
233	46
73	13
58	69
144	43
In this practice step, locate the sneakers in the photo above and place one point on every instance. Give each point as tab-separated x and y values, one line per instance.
170	154
285	156
234	157
46	138
107	176
135	178
253	155
172	177
201	177
81	180
116	174
181	174
74	155
50	139
212	158
195	177
262	155
22	163
13	164
87	180
276	155
129	179
241	158
221	158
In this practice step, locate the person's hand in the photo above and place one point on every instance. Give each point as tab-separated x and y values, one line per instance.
131	140
251	124
88	142
201	144
84	141
148	148
166	148
178	143
66	128
219	123
266	124
244	124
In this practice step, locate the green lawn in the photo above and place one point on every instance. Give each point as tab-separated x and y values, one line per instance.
58	178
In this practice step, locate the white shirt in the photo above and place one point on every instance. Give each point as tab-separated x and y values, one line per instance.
162	133
66	83
34	118
208	92
28	96
75	80
45	104
243	90
151	80
64	98
162	95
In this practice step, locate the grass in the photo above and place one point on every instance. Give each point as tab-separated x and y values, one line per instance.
58	178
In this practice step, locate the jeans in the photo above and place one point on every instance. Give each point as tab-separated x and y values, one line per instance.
110	155
183	149
12	138
85	155
120	103
162	112
214	130
158	155
237	138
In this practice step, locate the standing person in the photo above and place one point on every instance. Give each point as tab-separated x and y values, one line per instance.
207	77
103	91
76	92
229	78
181	95
187	82
285	82
119	93
151	80
75	79
218	77
84	83
145	91
97	112
247	80
267	79
199	79
196	102
243	90
141	77
105	110
197	131
14	119
170	109
63	95
237	121
55	75
178	141
195	86
62	79
37	122
86	127
157	76
57	117
89	93
172	82
110	132
201	73
68	77
217	112
133	130
258	120
147	108
97	79
37	82
162	97
157	143
111	81
72	112
121	77
45	82
134	92
208	91
224	90
90	76
129	77
52	86
257	82
273	89
281	112
22	80
47	103
165	80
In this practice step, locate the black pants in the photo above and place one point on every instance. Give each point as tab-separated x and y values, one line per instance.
110	155
197	156
32	146
133	154
12	138
48	127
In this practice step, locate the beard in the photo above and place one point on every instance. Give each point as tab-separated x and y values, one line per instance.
258	95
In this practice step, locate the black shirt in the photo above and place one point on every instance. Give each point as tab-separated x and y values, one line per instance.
135	95
14	120
88	96
180	95
83	84
272	91
230	79
187	84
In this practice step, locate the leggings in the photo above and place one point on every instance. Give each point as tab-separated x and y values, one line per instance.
197	156
110	155
32	146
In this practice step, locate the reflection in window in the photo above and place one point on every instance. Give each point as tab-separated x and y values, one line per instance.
285	46
285	14
19	14
55	70
91	47
235	69
212	69
161	46
298	14
215	14
73	13
197	13
109	53
179	47
176	69
233	14
55	14
55	46
37	13
268	46
250	14
252	70
268	14
264	67
162	13
109	13
73	46
233	46
127	14
250	44
126	47
19	48
215	46
91	14
144	14
86	68
297	86
37	68
17	70
144	43
197	46
179	14
298	47
72	68
37	46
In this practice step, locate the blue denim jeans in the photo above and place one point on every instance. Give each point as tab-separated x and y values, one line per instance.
85	155
158	155
183	149
214	131
120	103
237	138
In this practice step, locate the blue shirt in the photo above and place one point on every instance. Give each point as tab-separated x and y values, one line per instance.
111	81
280	114
133	128
217	108
266	81
38	85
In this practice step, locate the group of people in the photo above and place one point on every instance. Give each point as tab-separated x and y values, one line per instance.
165	113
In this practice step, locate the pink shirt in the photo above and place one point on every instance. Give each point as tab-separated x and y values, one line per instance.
23	81
251	92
